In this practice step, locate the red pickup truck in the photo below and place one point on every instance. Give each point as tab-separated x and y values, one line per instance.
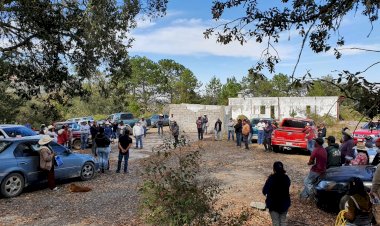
290	134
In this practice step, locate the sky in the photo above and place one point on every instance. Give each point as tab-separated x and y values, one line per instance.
179	36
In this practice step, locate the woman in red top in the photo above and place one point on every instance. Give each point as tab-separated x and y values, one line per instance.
63	136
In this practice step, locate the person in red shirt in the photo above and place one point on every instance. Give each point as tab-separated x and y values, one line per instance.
310	135
318	161
63	136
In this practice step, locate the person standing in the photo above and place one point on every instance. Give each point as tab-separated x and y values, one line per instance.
250	132
52	133
318	161
63	136
238	130
175	131
138	133
310	136
102	143
245	132
260	132
204	123
347	152
376	159
84	133
322	131
125	143
120	129
268	130
333	153
160	124
108	130
276	190
47	161
144	125
171	120
231	129
93	131
199	128
114	130
218	129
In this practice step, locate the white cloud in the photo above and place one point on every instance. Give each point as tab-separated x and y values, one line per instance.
185	37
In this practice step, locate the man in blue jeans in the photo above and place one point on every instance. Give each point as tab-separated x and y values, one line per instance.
138	133
85	132
125	143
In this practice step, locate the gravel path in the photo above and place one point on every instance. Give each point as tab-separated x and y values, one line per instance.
114	199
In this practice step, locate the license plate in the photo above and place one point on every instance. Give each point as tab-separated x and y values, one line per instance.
288	143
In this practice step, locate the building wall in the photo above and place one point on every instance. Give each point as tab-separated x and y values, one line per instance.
187	114
283	107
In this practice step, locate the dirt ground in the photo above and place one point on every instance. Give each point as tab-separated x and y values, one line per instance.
114	199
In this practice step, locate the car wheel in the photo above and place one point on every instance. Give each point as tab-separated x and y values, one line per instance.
12	185
343	201
88	171
76	144
276	148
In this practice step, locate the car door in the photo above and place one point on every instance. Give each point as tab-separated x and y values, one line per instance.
71	163
28	160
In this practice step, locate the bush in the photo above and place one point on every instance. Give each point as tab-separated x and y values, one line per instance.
173	193
328	120
348	113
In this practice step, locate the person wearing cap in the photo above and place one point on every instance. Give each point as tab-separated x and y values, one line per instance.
318	161
175	131
204	123
347	151
47	160
84	133
52	133
333	153
108	130
260	132
310	136
144	125
276	190
138	132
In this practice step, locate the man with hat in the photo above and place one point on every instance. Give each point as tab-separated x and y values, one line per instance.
260	131
85	132
318	161
175	131
47	160
347	151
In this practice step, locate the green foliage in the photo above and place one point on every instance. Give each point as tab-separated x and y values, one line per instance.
229	90
9	104
328	120
173	193
213	91
349	113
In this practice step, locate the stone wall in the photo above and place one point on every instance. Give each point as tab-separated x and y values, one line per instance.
187	114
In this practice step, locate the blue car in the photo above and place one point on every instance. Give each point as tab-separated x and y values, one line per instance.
19	168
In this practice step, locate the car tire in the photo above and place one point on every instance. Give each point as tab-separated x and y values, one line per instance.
88	171
76	144
276	148
343	201
12	185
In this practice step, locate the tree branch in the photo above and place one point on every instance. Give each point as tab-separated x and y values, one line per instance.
19	44
362	49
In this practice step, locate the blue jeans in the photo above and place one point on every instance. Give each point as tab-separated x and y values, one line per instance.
260	136
278	219
160	128
309	182
310	145
83	141
120	159
139	140
231	134
238	139
144	131
103	153
250	138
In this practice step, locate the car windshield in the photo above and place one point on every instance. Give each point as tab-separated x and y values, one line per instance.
19	131
155	117
295	123
4	145
373	126
126	116
59	149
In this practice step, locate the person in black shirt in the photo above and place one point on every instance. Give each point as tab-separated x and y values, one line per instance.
125	142
276	190
238	130
94	129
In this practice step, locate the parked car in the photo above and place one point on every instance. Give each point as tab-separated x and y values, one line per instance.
75	133
154	120
290	134
332	188
20	160
126	118
366	130
10	130
81	119
254	122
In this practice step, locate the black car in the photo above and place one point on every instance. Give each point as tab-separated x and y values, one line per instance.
332	188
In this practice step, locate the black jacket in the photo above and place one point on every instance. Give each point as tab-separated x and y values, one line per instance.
238	128
276	189
102	140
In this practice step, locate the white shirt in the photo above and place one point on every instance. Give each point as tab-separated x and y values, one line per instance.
260	126
138	130
85	129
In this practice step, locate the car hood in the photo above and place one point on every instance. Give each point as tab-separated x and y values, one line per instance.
345	173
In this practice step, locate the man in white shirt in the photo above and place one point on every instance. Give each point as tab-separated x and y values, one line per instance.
260	131
85	132
138	132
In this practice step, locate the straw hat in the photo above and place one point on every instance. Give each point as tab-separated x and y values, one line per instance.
45	140
50	127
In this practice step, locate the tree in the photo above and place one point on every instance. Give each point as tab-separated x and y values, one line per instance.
256	84
314	21
171	72
50	47
213	91
230	89
186	88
